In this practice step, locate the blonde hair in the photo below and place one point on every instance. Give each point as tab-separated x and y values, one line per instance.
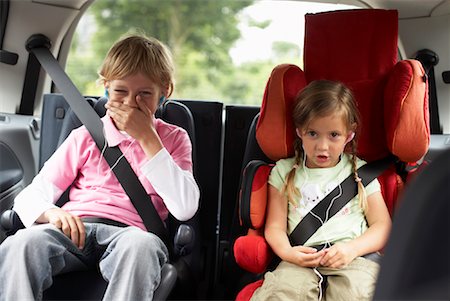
319	99
138	53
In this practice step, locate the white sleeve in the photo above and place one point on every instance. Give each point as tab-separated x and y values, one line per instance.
177	187
35	199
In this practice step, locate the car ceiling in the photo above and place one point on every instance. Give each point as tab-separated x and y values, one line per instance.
77	4
406	8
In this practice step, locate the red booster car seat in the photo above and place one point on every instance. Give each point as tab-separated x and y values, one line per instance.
358	48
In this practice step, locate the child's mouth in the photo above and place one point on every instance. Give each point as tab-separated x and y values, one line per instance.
322	158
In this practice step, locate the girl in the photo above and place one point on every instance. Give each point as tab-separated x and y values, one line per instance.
137	73
326	120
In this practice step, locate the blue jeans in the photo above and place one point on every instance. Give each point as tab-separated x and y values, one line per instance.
129	259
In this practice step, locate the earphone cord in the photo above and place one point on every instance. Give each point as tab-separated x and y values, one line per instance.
102	153
113	166
320	282
329	206
327	214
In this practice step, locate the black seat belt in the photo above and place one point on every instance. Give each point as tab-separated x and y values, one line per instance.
309	224
38	45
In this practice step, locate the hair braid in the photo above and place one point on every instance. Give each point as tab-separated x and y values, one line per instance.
289	187
361	190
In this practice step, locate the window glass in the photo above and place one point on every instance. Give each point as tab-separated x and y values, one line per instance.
224	50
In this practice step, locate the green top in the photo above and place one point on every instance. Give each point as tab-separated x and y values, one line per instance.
315	184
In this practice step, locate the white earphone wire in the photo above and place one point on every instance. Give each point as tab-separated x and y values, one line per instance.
115	163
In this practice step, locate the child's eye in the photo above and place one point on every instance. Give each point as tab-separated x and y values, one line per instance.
311	133
335	135
145	94
120	91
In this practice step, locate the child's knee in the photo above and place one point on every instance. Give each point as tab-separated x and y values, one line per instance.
289	282
139	243
356	282
34	236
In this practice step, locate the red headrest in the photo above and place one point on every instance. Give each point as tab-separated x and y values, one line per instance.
350	45
275	131
406	115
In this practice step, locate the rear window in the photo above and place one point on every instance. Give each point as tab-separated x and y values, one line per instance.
224	50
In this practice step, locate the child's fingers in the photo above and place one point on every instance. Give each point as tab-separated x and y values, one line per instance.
113	104
312	260
143	106
81	233
304	249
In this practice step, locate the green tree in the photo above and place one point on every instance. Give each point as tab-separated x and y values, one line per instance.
200	34
285	50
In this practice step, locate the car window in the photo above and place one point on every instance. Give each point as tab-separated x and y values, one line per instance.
223	49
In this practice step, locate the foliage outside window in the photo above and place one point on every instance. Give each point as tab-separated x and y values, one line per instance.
202	35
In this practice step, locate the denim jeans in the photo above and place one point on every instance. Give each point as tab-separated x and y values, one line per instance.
129	259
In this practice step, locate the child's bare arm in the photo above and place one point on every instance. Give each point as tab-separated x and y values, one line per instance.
372	240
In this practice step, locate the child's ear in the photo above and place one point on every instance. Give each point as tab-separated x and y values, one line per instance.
299	133
350	137
106	90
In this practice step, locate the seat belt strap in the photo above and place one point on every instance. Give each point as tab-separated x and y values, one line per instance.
137	194
39	47
29	86
310	223
81	108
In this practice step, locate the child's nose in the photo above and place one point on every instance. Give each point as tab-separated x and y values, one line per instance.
322	144
130	100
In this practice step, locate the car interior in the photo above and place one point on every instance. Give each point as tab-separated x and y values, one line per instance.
394	54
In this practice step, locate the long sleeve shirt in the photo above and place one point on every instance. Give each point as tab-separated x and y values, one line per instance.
96	192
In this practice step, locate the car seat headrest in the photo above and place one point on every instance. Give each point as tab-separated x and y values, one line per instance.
275	131
350	45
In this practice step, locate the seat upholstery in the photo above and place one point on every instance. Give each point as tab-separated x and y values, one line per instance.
358	48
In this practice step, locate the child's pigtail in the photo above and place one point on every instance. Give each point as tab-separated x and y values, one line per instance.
291	191
362	196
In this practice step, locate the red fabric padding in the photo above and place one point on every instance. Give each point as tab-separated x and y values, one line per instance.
391	185
350	45
372	135
359	48
258	198
252	253
275	131
406	111
246	293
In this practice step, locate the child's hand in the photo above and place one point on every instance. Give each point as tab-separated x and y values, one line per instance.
136	121
338	256
306	256
70	225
